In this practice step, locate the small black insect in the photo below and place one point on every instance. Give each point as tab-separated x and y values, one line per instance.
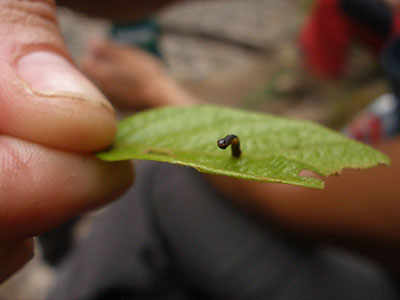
232	140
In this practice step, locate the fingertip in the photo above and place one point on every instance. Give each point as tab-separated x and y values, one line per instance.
42	187
64	123
44	98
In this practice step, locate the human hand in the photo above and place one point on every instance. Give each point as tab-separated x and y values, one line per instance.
51	118
131	78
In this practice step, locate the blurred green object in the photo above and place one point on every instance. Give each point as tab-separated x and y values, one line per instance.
274	149
144	34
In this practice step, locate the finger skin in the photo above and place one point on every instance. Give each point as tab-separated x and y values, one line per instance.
13	257
41	187
75	122
47	108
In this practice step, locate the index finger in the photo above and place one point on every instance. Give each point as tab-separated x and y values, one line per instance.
43	97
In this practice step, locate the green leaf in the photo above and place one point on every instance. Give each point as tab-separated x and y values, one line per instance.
274	149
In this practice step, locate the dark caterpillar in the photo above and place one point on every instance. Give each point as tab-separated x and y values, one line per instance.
232	140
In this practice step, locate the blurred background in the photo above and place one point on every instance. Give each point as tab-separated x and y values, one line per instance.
238	53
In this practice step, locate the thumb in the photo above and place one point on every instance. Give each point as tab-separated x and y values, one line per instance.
43	97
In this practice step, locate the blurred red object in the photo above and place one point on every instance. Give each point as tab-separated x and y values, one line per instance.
329	32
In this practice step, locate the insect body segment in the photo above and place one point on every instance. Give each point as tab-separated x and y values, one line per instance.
233	141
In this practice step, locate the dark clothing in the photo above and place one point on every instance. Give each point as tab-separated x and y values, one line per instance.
371	13
173	236
391	65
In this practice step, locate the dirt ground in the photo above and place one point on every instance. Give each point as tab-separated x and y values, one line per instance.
239	53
